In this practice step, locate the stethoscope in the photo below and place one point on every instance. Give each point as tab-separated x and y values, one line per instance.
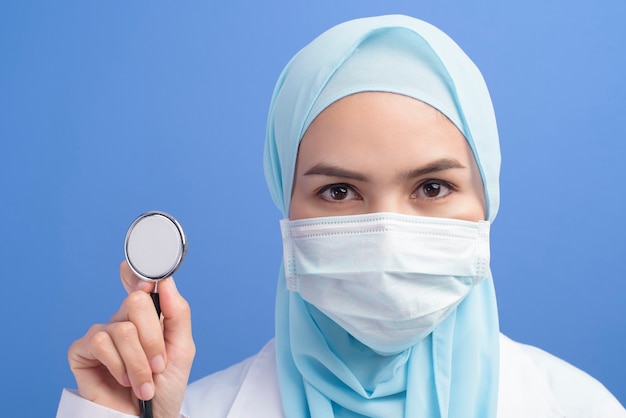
154	247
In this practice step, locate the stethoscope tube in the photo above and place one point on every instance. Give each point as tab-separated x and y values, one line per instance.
145	407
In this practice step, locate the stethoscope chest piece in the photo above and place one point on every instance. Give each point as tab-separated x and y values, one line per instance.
155	246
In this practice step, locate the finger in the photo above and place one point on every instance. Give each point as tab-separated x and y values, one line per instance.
138	308
126	339
96	349
103	349
131	282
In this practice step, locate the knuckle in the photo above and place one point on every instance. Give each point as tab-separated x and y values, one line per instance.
79	346
74	349
99	340
126	330
185	308
138	299
153	344
95	328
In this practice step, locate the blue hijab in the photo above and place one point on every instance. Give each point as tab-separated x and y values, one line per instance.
323	371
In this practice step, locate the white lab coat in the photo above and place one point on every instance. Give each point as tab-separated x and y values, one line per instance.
533	384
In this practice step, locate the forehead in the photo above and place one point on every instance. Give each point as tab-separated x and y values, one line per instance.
382	126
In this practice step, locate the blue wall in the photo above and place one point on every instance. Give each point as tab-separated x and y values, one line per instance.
112	108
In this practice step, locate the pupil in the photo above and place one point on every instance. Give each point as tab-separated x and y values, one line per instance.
432	189
338	192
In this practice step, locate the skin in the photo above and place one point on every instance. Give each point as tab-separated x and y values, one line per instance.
383	152
135	355
369	152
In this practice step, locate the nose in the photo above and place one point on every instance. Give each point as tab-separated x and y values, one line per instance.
391	203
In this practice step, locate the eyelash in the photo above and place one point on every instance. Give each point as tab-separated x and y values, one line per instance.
415	194
451	188
326	188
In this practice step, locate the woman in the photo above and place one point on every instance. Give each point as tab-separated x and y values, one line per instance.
382	152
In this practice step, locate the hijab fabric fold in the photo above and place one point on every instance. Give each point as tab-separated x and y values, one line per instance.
322	370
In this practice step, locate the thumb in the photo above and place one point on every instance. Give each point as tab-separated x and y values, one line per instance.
176	316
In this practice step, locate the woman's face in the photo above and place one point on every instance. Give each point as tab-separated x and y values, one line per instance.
384	152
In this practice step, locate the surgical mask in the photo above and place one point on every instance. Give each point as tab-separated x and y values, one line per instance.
387	279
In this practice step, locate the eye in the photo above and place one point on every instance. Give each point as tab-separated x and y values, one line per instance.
433	189
338	192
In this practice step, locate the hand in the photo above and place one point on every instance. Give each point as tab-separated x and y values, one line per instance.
137	356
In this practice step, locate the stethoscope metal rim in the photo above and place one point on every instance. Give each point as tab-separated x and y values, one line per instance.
183	244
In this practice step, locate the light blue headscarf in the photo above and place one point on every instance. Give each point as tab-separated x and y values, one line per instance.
322	370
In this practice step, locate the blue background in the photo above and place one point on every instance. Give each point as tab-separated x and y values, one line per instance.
112	108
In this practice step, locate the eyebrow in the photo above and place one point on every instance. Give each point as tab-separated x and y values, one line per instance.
435	166
324	169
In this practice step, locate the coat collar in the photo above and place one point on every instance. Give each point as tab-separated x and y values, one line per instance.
523	391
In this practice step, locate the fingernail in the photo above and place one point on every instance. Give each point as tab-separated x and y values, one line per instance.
157	363
125	380
147	391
